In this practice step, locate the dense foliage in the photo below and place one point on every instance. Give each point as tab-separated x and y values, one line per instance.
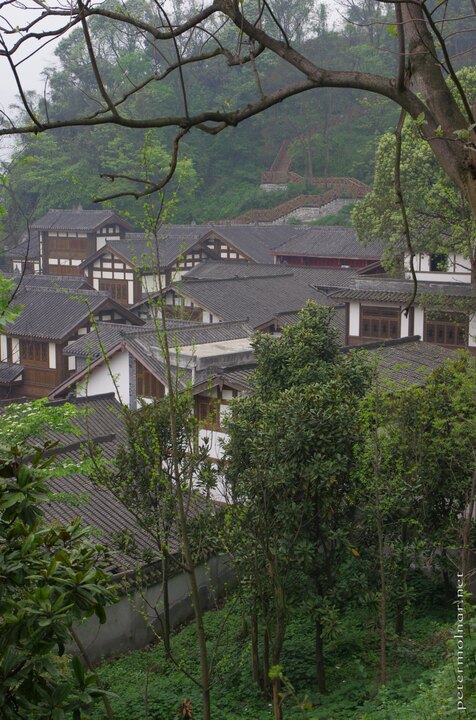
438	215
51	578
421	682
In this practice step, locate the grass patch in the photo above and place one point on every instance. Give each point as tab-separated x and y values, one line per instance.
146	687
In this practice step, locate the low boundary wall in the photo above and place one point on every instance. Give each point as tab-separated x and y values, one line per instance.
129	622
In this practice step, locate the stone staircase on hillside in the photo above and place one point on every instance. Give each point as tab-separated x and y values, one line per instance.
305	207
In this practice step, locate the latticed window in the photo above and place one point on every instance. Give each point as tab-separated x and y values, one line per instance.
118	289
67	243
36	352
380	322
446	330
207	412
439	262
147	385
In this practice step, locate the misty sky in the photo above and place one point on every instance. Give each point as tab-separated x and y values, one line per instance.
30	70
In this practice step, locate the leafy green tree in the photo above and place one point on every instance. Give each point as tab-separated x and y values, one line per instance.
8	314
143	479
438	213
417	485
51	580
288	464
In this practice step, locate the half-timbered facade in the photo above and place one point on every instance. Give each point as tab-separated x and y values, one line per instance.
442	313
440	267
254	299
110	270
50	320
67	237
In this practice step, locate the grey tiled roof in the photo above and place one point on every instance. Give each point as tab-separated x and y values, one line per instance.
408	361
400	291
63	282
107	335
101	425
238	376
50	314
60	219
255	299
173	240
99	341
209	270
329	241
324	277
256	241
9	372
30	251
210	333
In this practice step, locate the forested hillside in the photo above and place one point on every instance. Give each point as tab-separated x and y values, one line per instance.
333	132
220	175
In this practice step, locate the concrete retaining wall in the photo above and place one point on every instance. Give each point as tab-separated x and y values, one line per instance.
313	213
129	622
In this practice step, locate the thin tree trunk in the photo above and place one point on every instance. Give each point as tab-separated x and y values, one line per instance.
277	710
401	602
182	518
280	612
87	662
320	666
254	647
165	584
266	663
383	596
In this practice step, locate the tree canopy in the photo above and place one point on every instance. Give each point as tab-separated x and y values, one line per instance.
438	213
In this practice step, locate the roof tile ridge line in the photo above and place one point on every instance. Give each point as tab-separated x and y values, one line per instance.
206	326
193	279
235	278
392	342
69	292
83	400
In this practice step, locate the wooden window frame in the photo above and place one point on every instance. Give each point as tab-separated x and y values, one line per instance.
439	262
208	413
112	286
33	351
383	317
439	330
147	385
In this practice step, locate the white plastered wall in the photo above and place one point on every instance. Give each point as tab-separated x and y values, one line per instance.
404	324
100	379
15	350
52	356
150	283
3	348
472	331
418	322
354	319
459	269
215	442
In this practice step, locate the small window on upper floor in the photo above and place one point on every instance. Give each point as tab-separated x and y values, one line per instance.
439	262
